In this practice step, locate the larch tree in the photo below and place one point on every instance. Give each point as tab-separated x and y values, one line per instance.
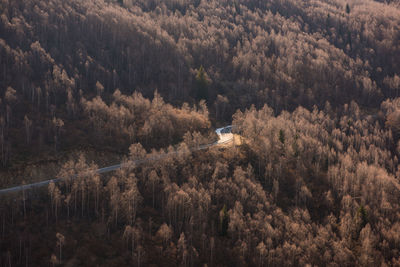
131	199
28	125
99	88
57	124
60	244
114	194
182	248
154	179
53	259
10	97
133	234
165	233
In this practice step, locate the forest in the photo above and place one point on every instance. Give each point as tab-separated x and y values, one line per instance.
310	87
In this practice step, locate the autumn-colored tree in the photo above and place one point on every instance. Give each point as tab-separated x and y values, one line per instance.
165	233
60	243
28	125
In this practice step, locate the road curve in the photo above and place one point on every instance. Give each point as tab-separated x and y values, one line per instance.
224	134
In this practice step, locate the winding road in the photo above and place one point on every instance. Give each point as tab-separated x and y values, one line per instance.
225	136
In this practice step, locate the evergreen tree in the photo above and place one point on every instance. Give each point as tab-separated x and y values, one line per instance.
202	83
223	221
282	136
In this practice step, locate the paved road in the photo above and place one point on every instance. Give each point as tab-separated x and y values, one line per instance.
224	134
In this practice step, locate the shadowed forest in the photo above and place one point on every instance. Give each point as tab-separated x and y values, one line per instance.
311	88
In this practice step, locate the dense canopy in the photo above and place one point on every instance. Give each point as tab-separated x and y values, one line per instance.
311	88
